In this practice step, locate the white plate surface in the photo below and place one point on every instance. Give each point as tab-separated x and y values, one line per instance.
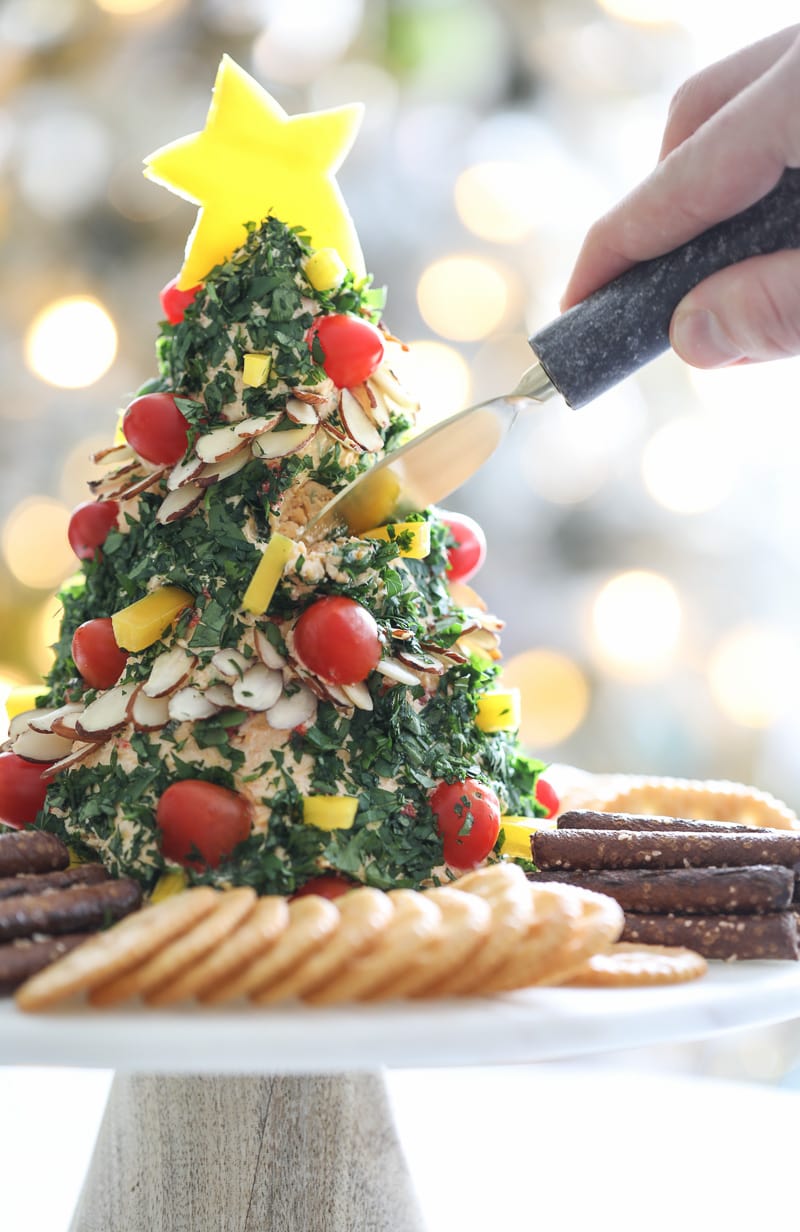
539	1024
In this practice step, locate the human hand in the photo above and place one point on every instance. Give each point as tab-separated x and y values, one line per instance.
731	132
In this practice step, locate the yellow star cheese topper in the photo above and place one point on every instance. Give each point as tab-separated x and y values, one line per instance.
252	160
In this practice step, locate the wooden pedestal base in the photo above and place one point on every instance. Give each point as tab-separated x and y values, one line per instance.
247	1154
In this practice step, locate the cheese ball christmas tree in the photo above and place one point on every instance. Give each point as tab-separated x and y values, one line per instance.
234	699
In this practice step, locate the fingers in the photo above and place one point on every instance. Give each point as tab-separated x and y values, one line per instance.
704	93
749	311
732	160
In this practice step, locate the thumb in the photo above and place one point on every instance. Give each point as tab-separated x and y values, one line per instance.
749	311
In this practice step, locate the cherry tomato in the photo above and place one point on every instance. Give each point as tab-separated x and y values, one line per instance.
353	348
468	818
89	526
338	639
97	656
330	885
174	302
22	790
156	429
469	552
547	797
196	816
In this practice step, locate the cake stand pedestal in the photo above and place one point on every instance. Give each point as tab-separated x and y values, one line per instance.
247	1120
190	1153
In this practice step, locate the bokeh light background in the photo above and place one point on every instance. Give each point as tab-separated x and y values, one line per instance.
644	550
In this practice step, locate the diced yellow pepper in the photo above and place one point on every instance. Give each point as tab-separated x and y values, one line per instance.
142	623
325	269
420	544
257	367
330	812
517	833
119	436
499	711
168	885
262	584
23	698
75	860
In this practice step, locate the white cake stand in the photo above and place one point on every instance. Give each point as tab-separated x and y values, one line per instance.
248	1120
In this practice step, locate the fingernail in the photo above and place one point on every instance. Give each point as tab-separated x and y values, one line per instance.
700	339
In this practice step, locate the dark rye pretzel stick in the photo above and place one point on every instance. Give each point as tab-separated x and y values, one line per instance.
77	909
770	936
619	849
37	883
31	851
588	819
693	891
19	960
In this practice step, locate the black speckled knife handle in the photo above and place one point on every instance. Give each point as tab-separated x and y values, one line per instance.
621	327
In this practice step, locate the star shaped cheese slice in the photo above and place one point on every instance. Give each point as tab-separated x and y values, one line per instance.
253	160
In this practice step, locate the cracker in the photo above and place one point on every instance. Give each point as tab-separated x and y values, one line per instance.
600	923
311	922
363	915
176	956
117	950
464	925
628	965
414	923
505	888
253	937
554	916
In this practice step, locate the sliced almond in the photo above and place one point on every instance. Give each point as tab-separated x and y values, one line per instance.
67	724
215	472
141	485
179	504
231	664
358	425
189	705
113	454
281	444
393	669
266	652
292	711
359	695
220	695
21	722
44	720
422	662
334	693
184	472
222	442
148	713
115	481
41	746
312	396
168	672
301	412
78	754
258	689
388	384
374	404
106	714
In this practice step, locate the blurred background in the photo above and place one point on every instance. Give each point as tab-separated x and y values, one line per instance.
644	550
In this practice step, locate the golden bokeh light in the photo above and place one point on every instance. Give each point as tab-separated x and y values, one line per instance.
438	375
754	675
494	200
131	8
71	343
44	631
555	695
35	545
690	465
636	624
10	679
463	298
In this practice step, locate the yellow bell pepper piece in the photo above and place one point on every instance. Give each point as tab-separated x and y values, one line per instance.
262	584
517	833
325	269
168	885
142	623
500	711
257	368
330	812
119	436
75	860
420	544
23	698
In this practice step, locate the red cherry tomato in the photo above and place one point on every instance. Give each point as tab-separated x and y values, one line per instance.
330	885
201	818
547	797
156	429
22	790
469	552
89	526
468	819
353	348
174	302
338	639
97	656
